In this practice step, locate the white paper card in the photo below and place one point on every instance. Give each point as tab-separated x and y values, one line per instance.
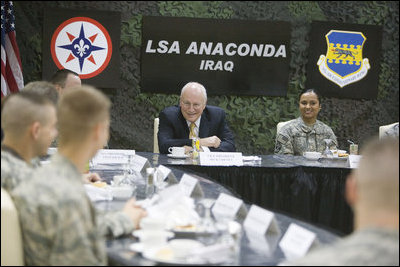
229	206
297	241
139	164
164	173
262	243
260	221
354	160
112	156
205	149
190	186
221	159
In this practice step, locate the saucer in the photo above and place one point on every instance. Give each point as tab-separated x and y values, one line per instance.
178	157
137	247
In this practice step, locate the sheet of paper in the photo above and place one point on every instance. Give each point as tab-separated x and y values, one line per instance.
221	159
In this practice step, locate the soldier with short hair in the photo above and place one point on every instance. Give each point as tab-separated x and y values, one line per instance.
59	224
29	120
305	133
372	190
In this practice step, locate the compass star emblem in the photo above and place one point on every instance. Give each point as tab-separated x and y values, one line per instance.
82	48
87	53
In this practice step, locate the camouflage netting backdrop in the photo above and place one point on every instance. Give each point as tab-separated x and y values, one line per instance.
252	119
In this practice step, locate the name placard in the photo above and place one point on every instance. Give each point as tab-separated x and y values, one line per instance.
354	161
139	164
260	221
112	156
262	243
190	186
165	174
297	241
229	207
221	159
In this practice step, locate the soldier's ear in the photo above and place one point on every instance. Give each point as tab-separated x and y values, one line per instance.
351	190
34	130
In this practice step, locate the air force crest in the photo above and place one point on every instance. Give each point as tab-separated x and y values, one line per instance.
343	63
83	45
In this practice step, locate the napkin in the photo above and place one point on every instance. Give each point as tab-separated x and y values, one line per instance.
174	207
97	193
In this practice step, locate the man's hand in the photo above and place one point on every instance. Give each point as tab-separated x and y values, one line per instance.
135	212
188	149
212	141
91	177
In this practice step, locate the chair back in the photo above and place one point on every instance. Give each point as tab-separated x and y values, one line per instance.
11	239
280	125
384	128
155	138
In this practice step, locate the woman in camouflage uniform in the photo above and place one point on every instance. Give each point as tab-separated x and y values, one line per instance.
305	133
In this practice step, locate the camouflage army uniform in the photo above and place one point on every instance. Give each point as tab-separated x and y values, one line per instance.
14	169
296	137
371	246
59	223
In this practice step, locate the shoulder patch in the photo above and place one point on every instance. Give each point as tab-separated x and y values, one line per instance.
282	139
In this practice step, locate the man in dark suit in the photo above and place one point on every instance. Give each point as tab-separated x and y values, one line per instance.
193	118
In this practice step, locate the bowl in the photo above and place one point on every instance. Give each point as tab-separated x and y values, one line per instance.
310	155
122	192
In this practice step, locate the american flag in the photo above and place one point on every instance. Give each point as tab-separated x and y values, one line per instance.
12	79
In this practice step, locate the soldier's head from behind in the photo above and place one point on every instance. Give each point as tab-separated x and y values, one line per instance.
29	122
373	188
64	79
84	118
43	88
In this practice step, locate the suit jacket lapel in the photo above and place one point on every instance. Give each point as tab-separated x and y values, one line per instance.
204	125
184	125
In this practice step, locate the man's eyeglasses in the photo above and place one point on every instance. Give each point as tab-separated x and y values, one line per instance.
188	105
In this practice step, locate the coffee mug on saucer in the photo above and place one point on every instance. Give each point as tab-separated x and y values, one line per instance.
177	151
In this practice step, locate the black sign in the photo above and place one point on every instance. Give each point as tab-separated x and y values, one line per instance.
344	59
229	57
83	41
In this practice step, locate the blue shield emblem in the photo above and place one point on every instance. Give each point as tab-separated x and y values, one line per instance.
343	63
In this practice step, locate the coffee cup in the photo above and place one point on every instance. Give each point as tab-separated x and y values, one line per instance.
178	151
152	223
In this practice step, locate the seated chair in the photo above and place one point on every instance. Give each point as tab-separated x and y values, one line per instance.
11	239
155	138
385	130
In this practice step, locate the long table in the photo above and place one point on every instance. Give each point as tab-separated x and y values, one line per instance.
266	252
313	191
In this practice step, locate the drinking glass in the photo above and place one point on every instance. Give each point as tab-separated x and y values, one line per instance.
327	152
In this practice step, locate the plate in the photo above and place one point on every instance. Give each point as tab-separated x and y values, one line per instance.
145	233
137	247
166	254
340	158
184	232
178	157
